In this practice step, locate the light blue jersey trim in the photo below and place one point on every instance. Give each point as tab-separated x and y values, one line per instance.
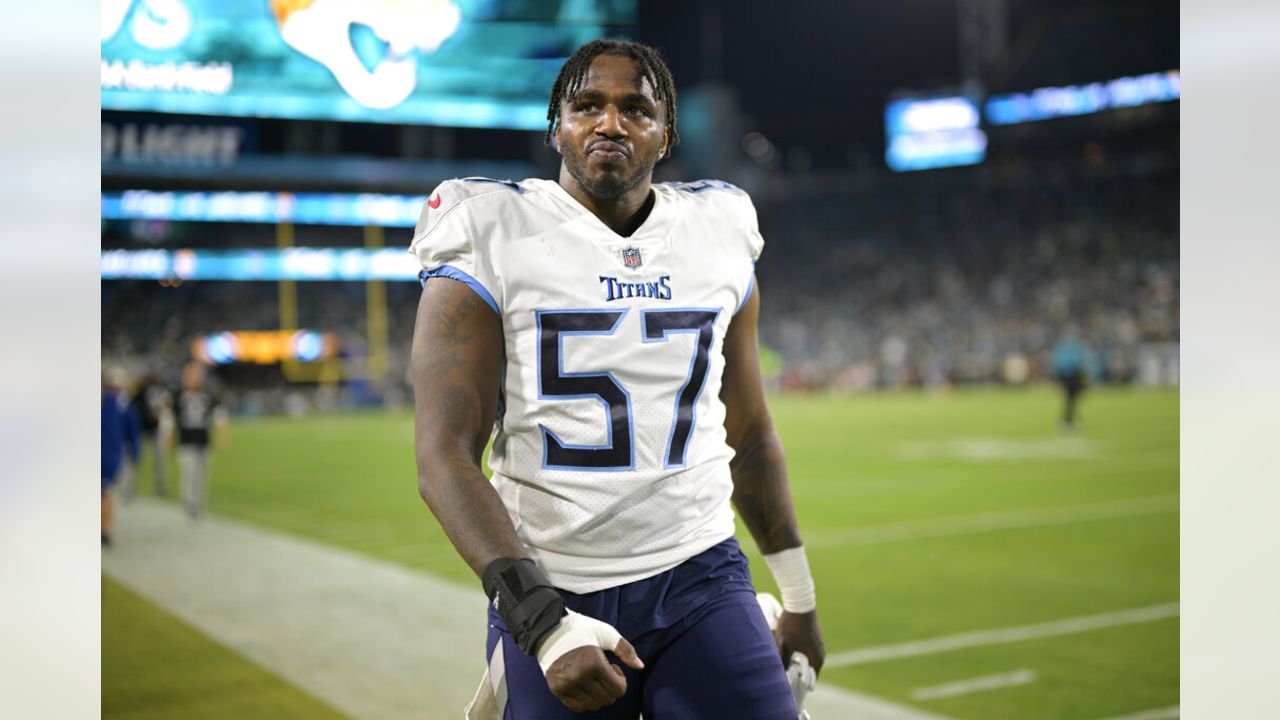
454	273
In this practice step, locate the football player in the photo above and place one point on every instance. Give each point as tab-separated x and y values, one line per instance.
607	326
200	419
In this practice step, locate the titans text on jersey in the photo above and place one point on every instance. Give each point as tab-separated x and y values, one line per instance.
619	289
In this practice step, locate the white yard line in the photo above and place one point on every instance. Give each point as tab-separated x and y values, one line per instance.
956	476
1169	713
829	702
998	636
990	522
986	450
972	685
371	638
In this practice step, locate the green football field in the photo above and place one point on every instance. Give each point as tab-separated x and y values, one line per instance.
972	559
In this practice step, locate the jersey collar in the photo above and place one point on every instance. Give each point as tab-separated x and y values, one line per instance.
654	228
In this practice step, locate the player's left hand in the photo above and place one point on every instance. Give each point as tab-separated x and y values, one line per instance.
800	633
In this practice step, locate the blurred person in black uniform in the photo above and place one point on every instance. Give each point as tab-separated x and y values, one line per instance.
152	404
1069	360
119	434
200	418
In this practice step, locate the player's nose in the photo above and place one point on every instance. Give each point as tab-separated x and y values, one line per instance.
609	123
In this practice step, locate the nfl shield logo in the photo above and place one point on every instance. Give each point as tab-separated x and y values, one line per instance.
631	258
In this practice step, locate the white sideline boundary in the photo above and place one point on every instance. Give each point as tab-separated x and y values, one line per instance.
998	636
954	525
370	638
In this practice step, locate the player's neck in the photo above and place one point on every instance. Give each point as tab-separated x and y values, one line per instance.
623	215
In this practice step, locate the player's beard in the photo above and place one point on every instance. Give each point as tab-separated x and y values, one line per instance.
609	185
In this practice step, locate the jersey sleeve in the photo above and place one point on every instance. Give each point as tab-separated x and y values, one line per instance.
746	212
742	215
445	246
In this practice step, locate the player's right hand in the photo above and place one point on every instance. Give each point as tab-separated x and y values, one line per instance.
577	671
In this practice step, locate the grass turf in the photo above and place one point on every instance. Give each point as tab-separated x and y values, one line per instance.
155	666
1093	515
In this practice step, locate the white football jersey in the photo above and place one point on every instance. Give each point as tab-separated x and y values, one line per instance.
610	451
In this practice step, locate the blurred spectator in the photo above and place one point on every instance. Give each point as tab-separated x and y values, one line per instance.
152	404
119	436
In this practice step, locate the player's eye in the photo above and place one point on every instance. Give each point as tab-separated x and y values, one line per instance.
638	111
587	107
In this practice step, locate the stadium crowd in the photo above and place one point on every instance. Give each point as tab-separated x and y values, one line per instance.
948	281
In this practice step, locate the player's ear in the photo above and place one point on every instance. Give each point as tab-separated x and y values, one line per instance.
666	144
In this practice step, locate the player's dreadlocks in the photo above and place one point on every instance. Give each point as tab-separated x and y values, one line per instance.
650	62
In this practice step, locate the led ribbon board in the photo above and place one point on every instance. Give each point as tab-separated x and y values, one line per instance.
265	207
1054	102
466	63
302	263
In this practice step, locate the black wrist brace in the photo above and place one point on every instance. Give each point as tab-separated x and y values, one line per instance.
525	600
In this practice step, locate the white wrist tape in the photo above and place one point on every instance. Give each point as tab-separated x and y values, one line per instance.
575	631
790	570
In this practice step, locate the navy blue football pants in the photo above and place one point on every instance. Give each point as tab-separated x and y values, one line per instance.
707	650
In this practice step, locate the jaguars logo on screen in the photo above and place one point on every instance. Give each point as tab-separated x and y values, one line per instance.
368	46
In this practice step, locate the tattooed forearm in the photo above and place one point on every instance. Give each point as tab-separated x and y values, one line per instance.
761	492
457	361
